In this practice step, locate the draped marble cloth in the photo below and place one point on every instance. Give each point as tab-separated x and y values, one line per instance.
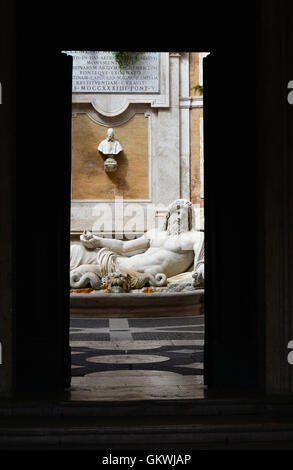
104	258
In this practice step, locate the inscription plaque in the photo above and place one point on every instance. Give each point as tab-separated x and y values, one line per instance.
98	72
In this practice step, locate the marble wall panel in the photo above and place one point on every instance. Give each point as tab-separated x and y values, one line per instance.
89	179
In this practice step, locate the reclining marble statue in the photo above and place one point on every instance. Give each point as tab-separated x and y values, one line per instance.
164	255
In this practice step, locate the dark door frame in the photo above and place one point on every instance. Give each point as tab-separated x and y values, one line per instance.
248	212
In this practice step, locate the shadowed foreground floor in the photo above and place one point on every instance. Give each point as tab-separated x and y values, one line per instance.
137	359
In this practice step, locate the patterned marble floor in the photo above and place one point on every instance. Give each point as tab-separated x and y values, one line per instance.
136	359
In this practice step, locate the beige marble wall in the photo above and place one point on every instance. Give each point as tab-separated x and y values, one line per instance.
195	115
193	73
89	180
194	119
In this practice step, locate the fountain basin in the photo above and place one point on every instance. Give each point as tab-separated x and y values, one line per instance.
97	304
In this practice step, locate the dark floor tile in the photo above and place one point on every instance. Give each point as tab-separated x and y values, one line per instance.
89	322
89	337
167	336
166	321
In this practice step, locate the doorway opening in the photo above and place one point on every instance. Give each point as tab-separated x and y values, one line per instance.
137	226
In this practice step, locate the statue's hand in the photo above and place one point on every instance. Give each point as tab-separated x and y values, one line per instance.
89	240
87	235
198	276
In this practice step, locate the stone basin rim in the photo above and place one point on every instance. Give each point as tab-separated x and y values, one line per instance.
136	298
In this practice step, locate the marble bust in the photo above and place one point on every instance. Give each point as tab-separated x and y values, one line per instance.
110	147
175	249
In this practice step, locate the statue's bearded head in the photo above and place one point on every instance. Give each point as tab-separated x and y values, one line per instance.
180	217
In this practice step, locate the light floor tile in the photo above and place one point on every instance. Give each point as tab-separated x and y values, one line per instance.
137	393
193	365
127	359
99	380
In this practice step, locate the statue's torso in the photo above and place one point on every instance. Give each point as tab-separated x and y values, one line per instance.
169	255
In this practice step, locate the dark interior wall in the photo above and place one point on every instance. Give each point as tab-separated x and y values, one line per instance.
249	239
231	344
7	197
275	175
43	216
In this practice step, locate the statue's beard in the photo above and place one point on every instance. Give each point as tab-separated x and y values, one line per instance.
176	227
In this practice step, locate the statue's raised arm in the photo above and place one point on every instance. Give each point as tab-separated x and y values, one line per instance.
118	246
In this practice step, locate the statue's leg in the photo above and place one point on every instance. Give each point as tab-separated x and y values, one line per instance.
80	255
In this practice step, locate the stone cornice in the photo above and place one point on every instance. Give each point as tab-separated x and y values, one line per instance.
191	102
106	121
